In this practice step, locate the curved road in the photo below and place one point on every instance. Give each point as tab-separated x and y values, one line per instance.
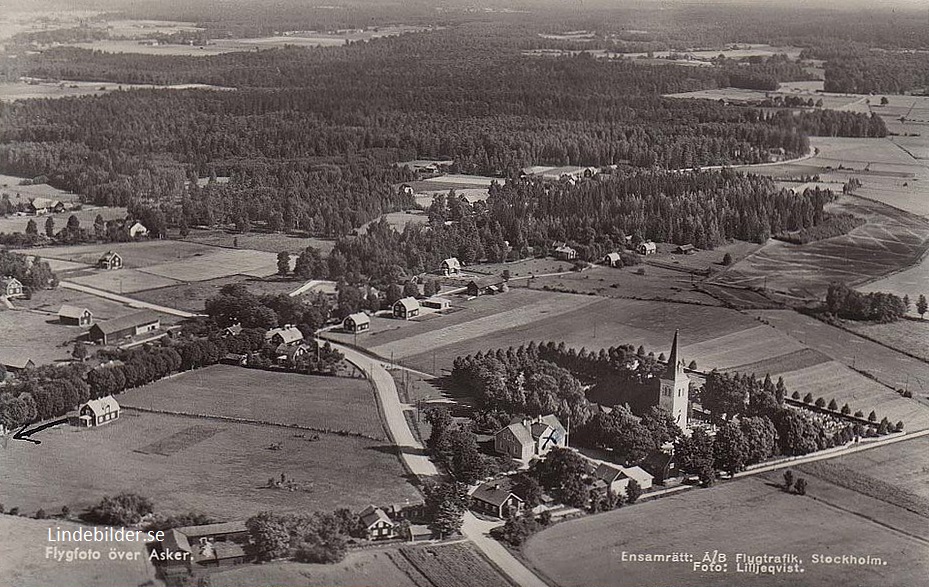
413	454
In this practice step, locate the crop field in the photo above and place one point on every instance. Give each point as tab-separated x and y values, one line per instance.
747	516
911	336
86	215
657	283
902	464
192	296
218	263
136	255
259	241
49	301
794	361
912	282
23	562
223	474
360	567
890	240
13	91
451	565
123	281
281	398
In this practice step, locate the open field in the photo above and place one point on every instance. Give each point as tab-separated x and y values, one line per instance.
23	562
399	220
136	255
657	283
911	336
192	296
450	565
218	263
50	301
748	516
36	336
222	474
123	281
12	91
259	241
86	215
890	240
360	567
9	185
903	464
282	398
912	282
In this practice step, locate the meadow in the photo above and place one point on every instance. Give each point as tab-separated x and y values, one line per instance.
902	464
86	215
749	516
288	399
911	336
211	466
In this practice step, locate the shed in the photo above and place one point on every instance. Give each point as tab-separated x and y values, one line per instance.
685	249
74	316
125	326
437	303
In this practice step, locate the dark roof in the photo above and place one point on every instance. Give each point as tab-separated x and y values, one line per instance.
488	281
372	515
495	492
674	361
607	473
126	322
656	462
71	311
213	529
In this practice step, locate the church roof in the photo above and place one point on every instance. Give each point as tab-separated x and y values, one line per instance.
675	363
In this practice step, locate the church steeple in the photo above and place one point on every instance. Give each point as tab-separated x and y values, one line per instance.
674	394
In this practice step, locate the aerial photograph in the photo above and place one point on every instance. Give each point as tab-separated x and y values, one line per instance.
464	293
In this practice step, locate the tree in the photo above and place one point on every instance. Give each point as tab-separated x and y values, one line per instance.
73	224
394	293
661	425
833	405
410	290
788	480
79	352
445	507
695	455
31	227
730	448
283	263
872	417
350	300
50	227
727	259
760	438
268	536
633	491
921	305
846	410
800	486
124	509
527	487
562	471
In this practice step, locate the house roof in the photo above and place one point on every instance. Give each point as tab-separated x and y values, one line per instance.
137	223
657	461
67	311
452	262
685	247
44	203
125	322
7	280
408	303
213	529
438	300
487	281
608	473
495	492
520	432
101	405
225	549
289	334
565	249
359	318
612	256
638	474
233	329
372	515
175	540
17	362
109	255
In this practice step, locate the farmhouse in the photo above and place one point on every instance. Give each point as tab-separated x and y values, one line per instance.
209	545
232	330
406	308
125	326
110	260
487	285
618	478
358	322
74	316
686	249
288	354
11	287
437	303
288	334
612	260
646	248
137	229
527	439
98	411
40	206
377	524
565	253
496	498
451	266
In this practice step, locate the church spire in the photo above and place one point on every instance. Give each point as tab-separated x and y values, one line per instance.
673	360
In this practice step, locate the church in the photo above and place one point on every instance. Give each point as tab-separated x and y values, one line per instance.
674	392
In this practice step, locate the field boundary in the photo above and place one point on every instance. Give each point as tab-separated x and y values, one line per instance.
869	339
234	420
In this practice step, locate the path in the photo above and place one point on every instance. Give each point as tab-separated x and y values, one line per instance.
124	300
413	454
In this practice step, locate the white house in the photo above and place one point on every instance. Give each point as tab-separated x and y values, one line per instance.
647	248
99	411
451	266
527	439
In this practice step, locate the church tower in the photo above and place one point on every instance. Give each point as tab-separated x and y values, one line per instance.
675	387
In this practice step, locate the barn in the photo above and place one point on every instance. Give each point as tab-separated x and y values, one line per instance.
487	285
125	326
74	316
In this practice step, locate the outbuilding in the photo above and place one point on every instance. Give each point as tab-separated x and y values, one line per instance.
565	253
74	316
436	303
613	260
496	498
125	326
647	248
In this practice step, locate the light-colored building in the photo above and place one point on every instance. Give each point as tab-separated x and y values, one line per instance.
99	411
674	393
565	253
451	266
286	335
530	438
612	260
137	230
11	287
647	248
377	524
618	478
40	206
437	303
125	326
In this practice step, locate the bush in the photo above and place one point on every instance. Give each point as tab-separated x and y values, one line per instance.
727	259
545	518
40	514
808	398
788	480
65	511
846	410
795	395
872	417
14	511
859	414
800	486
899	426
640	271
692	365
820	402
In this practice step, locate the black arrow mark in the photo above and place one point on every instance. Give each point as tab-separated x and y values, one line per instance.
24	434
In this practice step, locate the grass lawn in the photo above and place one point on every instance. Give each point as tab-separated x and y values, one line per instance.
337	403
23	563
747	516
35	335
183	464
